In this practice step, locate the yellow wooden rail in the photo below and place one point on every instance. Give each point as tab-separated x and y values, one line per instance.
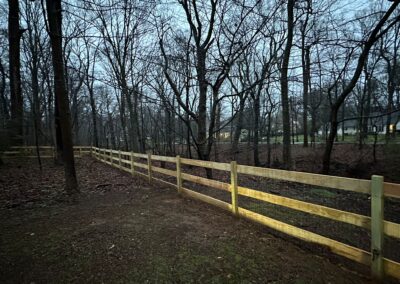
45	151
378	226
376	187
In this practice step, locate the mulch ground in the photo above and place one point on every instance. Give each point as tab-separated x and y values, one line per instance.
123	229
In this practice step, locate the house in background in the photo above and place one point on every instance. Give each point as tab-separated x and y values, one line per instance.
376	122
380	123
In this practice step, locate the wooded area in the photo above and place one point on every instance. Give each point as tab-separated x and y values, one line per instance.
159	75
291	83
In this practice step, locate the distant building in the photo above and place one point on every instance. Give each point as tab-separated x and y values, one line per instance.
376	122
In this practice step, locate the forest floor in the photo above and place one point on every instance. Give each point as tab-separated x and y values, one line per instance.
123	229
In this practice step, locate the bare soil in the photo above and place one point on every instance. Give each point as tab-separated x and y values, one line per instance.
123	229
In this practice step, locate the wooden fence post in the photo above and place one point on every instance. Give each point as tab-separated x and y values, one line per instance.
111	157
178	174
377	227
132	164
149	165
119	158
234	189
104	155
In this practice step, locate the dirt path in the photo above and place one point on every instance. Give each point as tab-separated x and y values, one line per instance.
124	230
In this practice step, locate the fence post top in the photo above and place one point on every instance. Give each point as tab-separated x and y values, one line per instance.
377	177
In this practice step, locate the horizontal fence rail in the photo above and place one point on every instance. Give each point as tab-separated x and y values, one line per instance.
376	188
44	151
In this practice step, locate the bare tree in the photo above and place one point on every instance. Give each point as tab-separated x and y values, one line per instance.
286	153
14	36
54	18
377	32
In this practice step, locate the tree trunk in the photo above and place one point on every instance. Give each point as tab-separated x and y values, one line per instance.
269	138
306	79
313	126
94	117
133	121
330	140
217	126
202	107
36	105
238	128
14	36
389	108
75	116
256	129
3	102
54	15
59	142
286	153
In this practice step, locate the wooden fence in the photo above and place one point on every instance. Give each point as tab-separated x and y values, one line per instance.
376	188
45	151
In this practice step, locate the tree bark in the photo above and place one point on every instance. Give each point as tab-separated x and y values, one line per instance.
256	128
54	15
94	117
286	153
14	37
3	101
238	128
306	79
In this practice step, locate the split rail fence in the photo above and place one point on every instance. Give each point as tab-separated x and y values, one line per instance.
377	188
45	151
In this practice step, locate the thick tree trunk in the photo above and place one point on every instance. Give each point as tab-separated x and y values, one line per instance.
58	159
330	140
3	102
133	120
54	15
202	107
14	36
4	114
94	117
286	153
112	131
256	130
202	144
